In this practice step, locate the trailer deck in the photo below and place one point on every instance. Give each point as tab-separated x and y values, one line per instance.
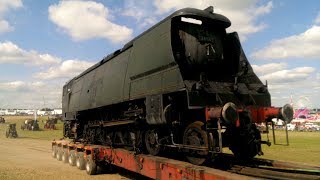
89	157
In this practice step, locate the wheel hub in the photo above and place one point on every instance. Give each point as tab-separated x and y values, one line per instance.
151	142
195	136
194	141
151	139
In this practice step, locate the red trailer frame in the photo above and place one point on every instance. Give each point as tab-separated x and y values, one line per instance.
150	166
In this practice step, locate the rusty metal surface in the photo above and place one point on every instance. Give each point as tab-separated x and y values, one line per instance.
152	166
164	168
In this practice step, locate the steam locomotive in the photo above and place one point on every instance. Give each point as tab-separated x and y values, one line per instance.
183	84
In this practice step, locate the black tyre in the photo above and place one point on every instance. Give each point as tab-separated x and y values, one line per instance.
72	158
54	151
91	166
65	156
105	168
80	161
59	153
246	146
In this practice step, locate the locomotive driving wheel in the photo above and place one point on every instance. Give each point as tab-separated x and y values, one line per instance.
151	143
247	144
196	137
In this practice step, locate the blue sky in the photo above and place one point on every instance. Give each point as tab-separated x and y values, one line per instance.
43	44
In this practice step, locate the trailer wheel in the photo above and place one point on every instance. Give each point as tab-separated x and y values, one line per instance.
80	162
59	153
105	168
72	158
91	166
65	155
54	151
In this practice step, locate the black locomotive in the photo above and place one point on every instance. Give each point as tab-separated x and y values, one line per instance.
184	84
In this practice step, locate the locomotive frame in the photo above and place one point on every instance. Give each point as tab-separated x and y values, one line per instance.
184	84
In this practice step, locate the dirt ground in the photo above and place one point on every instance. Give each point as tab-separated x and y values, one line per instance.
24	158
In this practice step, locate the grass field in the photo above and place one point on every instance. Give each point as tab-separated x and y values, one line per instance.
43	134
304	146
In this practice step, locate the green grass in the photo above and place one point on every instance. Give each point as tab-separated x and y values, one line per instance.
44	134
304	146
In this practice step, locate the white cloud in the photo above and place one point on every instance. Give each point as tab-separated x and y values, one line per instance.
67	69
165	6
305	88
45	88
33	95
142	11
317	20
243	14
284	82
292	75
10	53
261	10
148	21
296	82
303	45
84	20
5	26
133	8
133	12
5	6
268	68
20	86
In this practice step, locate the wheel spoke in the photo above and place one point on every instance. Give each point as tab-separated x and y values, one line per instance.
195	136
151	144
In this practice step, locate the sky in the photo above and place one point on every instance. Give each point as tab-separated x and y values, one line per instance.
43	44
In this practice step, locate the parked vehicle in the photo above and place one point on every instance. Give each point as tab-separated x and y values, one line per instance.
50	123
2	120
311	127
11	131
301	128
291	127
31	125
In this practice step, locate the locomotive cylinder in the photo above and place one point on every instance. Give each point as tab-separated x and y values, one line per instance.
228	112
